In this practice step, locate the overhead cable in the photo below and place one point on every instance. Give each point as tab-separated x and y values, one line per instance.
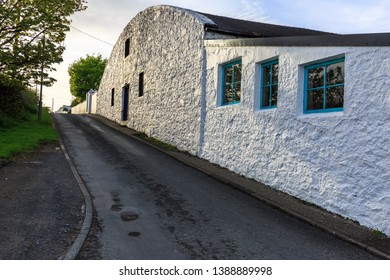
94	37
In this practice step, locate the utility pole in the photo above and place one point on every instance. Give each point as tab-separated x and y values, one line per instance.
40	92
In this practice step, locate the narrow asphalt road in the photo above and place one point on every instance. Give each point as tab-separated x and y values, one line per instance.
40	206
150	206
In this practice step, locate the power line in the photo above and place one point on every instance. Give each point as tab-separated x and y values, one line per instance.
85	33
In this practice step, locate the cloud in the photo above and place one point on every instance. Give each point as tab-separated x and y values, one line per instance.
252	10
106	20
348	16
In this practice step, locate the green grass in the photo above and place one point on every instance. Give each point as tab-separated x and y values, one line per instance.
157	142
26	136
378	232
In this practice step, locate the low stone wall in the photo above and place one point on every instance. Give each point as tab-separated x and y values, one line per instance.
80	108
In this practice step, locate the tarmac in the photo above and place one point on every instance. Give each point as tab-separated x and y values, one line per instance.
41	206
345	229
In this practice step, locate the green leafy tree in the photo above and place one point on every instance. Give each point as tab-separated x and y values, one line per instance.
31	33
85	74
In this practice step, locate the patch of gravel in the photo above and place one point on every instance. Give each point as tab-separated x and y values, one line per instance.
40	206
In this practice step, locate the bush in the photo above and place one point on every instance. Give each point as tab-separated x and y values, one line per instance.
75	102
17	102
6	122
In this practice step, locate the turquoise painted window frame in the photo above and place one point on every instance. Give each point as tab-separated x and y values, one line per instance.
324	88
233	83
271	86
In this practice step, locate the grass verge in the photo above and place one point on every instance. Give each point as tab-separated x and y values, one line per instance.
26	136
157	142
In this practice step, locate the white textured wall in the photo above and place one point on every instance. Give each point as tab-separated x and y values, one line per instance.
91	103
80	108
94	104
339	161
166	44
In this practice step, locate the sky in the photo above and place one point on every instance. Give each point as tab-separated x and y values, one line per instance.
104	21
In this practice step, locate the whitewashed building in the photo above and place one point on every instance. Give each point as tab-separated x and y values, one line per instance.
302	111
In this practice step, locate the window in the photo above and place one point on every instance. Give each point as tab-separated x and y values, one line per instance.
269	85
324	87
125	102
112	96
231	83
141	85
127	47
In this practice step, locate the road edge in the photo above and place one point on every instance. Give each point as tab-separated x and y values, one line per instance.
82	236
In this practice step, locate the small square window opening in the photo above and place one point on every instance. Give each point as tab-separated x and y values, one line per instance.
127	47
141	85
112	97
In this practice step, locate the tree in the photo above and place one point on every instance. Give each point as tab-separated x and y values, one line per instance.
31	35
85	74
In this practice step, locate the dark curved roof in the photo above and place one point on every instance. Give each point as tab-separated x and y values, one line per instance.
244	28
358	40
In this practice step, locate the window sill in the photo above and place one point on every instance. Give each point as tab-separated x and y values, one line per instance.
229	104
321	114
263	110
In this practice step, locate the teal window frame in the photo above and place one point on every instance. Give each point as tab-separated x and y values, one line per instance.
231	84
273	83
324	87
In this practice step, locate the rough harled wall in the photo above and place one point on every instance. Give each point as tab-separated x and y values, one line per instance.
339	161
166	44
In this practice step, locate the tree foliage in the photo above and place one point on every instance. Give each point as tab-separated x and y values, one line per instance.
31	33
85	74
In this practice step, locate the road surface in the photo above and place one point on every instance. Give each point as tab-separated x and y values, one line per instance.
150	206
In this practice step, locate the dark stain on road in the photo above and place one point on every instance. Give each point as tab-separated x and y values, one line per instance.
116	207
129	216
134	234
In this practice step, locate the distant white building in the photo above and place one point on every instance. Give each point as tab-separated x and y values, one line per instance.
305	112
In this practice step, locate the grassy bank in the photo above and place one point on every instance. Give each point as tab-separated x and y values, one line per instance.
26	135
